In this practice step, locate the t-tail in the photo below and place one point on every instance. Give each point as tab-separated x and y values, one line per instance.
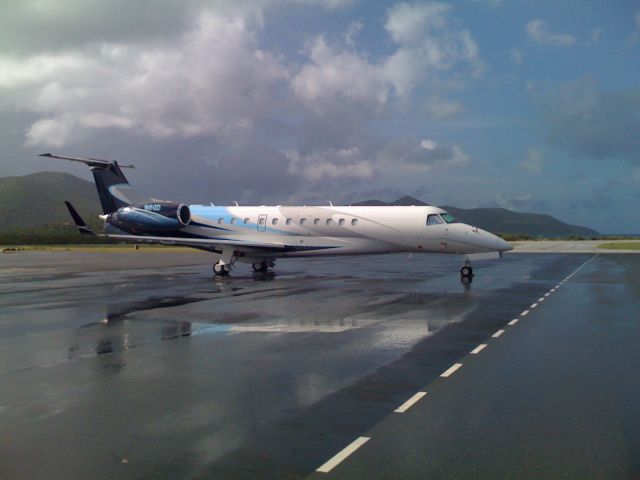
124	212
113	187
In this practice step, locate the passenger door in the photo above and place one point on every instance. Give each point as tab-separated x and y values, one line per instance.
262	223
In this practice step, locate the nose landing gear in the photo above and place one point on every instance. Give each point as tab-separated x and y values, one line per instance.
466	273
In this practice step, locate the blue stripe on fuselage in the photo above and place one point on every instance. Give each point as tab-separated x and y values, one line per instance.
213	214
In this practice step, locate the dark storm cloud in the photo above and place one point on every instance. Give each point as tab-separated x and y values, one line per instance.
588	121
28	26
197	170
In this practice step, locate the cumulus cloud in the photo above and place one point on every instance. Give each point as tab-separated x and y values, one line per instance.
539	31
518	203
533	162
207	85
441	108
214	81
343	89
422	154
597	124
429	41
28	26
516	55
634	36
361	164
488	3
346	163
336	76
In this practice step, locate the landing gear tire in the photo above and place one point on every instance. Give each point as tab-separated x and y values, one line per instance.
220	269
466	271
260	267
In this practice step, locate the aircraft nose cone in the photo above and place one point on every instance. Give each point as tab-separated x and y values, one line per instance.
504	246
494	242
481	240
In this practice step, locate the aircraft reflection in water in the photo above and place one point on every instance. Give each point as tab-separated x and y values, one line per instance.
113	338
259	234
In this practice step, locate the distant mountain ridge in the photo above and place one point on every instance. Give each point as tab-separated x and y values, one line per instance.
501	220
35	203
37	200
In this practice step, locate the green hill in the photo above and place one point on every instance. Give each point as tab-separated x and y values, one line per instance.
501	220
34	204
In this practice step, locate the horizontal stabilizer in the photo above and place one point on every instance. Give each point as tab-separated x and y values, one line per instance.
92	162
77	219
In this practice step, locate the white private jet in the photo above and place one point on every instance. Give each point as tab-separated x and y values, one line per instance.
258	235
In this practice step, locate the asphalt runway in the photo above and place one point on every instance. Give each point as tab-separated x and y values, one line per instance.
141	365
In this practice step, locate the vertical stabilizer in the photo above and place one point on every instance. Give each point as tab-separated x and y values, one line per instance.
112	187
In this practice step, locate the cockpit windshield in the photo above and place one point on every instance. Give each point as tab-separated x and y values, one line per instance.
448	218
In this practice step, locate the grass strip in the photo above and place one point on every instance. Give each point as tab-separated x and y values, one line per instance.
620	246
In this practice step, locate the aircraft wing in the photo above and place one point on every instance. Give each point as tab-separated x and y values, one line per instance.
211	244
203	243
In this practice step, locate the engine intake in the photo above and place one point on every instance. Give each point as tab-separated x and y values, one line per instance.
183	214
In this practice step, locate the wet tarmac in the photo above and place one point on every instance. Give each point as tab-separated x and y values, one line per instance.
141	365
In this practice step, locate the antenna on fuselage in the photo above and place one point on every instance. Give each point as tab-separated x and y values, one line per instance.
330	204
236	202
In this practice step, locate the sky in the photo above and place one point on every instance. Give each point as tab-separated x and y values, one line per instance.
528	105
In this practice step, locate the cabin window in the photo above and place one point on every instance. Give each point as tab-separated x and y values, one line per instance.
341	221
354	222
274	221
434	220
262	220
220	221
316	221
288	222
329	221
246	221
303	221
233	221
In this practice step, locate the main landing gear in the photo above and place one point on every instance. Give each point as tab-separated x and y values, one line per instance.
221	269
263	266
466	273
225	264
259	267
229	257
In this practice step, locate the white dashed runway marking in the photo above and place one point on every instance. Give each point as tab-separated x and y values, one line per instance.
409	403
451	370
339	457
478	349
498	333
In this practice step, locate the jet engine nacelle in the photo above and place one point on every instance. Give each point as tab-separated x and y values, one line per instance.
151	217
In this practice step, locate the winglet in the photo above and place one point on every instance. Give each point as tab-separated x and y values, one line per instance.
77	219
